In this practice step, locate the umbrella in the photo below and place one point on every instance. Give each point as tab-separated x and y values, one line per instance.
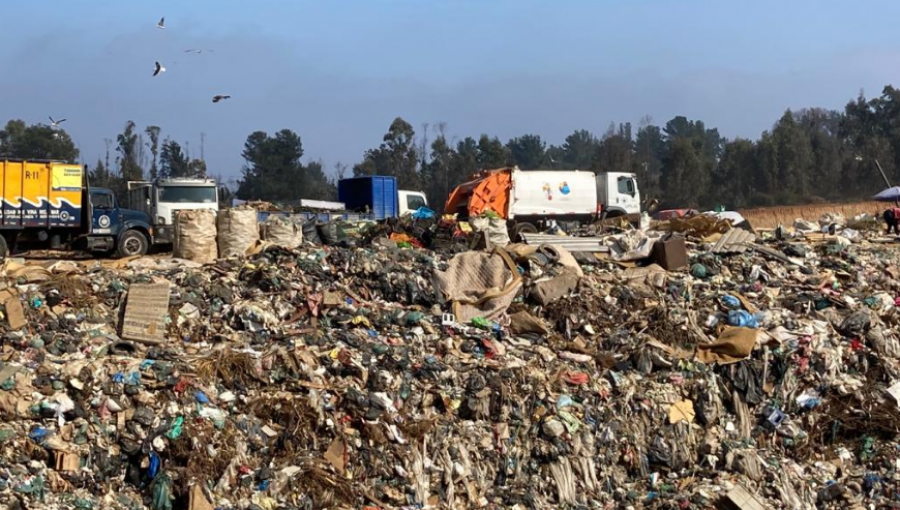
889	195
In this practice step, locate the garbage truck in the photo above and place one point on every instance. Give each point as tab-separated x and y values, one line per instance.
163	198
49	204
531	199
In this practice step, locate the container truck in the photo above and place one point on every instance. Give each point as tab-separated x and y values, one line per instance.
529	199
163	198
378	195
49	204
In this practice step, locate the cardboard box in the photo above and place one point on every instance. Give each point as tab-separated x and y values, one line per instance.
670	254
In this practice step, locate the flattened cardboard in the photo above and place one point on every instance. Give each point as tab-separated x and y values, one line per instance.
145	313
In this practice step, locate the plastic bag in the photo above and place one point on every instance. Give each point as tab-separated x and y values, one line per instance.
328	233
311	232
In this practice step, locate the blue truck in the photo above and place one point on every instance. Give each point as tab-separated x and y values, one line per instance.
374	197
379	196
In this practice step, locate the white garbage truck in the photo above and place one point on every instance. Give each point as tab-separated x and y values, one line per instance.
531	199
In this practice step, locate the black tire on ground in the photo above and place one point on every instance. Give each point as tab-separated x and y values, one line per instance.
132	243
523	228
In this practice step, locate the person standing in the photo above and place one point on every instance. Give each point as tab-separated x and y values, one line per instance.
891	217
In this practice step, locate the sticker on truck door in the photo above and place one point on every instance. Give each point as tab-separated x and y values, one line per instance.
103	221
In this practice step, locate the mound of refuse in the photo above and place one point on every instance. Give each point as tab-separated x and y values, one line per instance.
759	372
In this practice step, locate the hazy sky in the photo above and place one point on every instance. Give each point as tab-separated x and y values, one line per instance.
338	71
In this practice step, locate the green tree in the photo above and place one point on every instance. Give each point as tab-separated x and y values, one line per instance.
19	141
649	150
173	162
578	150
464	162
794	156
153	134
822	128
396	156
614	153
683	177
129	168
273	170
436	175
492	153
528	152
734	180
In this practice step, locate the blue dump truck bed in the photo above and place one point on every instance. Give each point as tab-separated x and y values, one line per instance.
375	194
320	217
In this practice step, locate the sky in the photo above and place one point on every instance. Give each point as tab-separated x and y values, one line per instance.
339	71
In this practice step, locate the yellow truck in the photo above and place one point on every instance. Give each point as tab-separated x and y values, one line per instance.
49	204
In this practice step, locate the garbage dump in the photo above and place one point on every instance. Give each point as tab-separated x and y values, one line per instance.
381	374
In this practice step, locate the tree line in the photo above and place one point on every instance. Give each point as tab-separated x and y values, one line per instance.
809	155
134	155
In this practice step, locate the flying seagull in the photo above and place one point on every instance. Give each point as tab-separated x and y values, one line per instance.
218	98
162	23
198	52
55	123
159	69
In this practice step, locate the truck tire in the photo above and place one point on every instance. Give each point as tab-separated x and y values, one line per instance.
132	243
523	228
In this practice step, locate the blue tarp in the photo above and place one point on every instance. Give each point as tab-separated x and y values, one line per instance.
889	195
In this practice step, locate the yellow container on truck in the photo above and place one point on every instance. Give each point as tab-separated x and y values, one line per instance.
40	194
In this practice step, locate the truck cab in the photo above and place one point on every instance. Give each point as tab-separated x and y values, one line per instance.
163	198
114	229
617	194
411	201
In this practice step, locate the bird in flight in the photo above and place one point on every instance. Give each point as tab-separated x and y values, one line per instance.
55	123
159	69
218	98
198	52
162	23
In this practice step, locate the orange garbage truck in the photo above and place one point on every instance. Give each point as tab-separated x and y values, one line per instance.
532	199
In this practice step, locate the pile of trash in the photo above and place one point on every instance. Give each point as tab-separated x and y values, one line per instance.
762	373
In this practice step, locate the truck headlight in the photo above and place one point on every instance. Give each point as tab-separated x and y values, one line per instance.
160	220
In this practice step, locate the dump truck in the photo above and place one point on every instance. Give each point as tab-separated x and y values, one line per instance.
531	199
379	196
49	204
163	198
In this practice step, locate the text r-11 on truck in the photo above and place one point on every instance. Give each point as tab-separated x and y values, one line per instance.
49	204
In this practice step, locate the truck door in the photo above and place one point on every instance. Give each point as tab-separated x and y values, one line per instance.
104	218
627	197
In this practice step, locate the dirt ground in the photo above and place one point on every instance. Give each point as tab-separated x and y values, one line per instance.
771	217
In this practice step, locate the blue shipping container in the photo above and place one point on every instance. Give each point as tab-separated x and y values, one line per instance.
377	193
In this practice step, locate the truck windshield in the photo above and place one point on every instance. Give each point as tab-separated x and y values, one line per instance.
414	202
102	200
187	194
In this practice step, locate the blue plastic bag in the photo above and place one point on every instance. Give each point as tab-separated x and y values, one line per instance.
742	319
423	213
731	302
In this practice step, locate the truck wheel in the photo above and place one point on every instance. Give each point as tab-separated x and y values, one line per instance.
132	243
523	228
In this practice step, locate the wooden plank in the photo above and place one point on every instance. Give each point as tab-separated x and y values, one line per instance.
145	313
